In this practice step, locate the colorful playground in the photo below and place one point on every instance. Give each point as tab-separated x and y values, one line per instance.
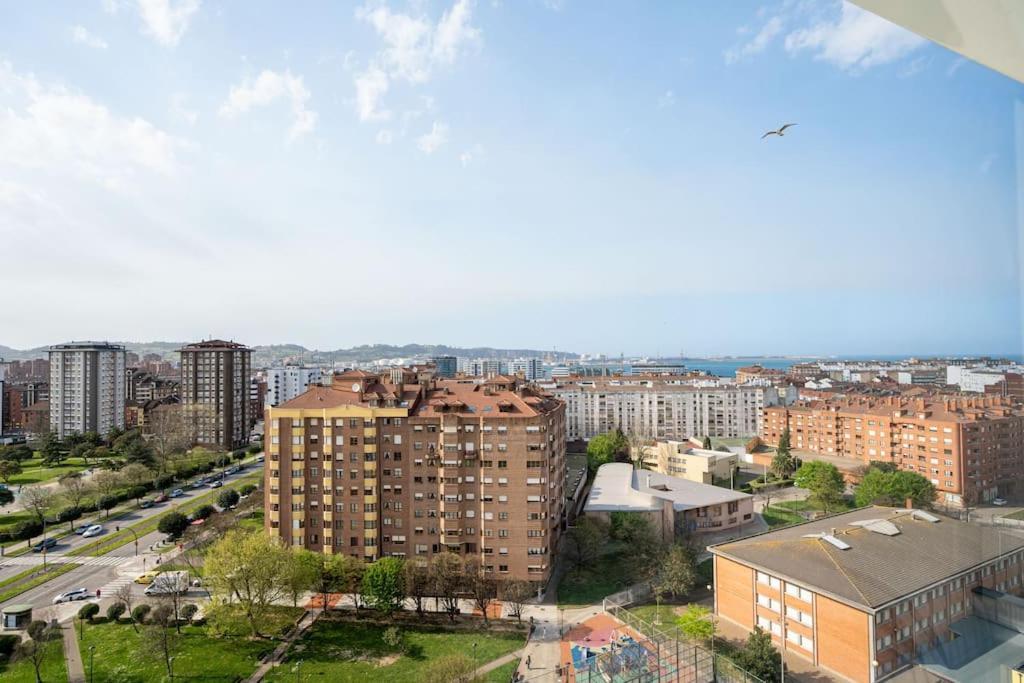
604	649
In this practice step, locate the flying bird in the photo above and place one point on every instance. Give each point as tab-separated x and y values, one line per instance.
780	132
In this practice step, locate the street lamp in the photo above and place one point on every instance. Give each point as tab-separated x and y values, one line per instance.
92	652
134	535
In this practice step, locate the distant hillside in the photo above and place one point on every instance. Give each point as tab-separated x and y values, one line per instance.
275	353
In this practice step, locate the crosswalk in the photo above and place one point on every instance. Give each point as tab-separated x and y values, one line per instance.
34	560
111	587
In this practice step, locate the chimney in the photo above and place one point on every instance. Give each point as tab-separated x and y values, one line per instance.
909	503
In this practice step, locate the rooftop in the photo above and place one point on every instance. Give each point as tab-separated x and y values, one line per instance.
877	568
211	344
618	487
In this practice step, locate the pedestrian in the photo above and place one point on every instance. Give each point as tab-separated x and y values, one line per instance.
529	661
97	593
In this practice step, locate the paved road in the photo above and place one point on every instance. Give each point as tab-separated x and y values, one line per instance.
108	572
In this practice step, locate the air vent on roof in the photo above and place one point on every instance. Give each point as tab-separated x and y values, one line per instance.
878	526
924	516
831	540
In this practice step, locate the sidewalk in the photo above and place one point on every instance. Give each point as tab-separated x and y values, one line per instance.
495	663
72	657
304	623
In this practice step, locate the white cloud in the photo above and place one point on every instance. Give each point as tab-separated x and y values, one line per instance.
269	87
414	47
468	156
955	66
49	127
667	99
855	40
434	140
384	137
81	35
371	86
914	67
167	20
757	44
180	109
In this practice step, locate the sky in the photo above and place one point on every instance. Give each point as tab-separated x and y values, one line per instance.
556	174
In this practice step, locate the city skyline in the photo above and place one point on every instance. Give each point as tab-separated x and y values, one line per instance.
179	157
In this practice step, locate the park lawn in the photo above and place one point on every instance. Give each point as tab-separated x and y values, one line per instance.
1019	514
776	517
10	519
589	585
503	674
33	471
649	613
119	656
345	651
53	668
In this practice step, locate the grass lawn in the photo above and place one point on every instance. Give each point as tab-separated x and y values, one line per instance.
10	518
1019	514
648	613
53	668
587	586
119	656
351	651
503	674
33	471
776	517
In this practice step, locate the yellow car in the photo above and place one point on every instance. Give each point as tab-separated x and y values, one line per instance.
147	577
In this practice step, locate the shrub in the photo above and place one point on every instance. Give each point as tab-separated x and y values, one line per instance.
227	498
204	512
189	611
69	514
140	613
115	611
255	448
173	524
107	502
246	489
27	529
393	637
88	611
136	492
163	481
7	645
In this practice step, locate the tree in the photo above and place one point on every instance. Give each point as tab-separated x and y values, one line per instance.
107	482
246	489
38	500
249	567
678	573
784	445
481	586
137	474
115	610
87	611
393	638
384	585
141	613
516	594
188	612
783	464
605	448
417	582
8	469
457	668
759	657
74	488
227	498
17	453
81	450
6	496
706	444
894	487
446	578
106	503
644	541
170	433
586	540
639	448
51	449
350	575
124	596
302	573
697	623
160	641
69	515
204	511
754	445
824	481
37	647
329	577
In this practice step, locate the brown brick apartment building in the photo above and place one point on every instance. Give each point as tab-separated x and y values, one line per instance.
970	448
865	594
409	466
215	378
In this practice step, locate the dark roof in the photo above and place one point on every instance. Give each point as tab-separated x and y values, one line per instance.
877	569
208	344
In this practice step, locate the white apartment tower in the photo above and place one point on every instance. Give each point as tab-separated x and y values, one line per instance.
284	384
87	388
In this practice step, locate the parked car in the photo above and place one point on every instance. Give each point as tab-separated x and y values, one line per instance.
147	503
160	498
260	458
999	501
94	530
45	544
217	484
82	529
177	493
147	577
71	595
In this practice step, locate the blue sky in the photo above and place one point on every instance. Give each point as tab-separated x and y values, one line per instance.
577	175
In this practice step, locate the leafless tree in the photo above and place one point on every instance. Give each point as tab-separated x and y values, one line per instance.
38	500
639	448
107	482
125	597
446	579
515	594
75	488
159	640
481	585
417	582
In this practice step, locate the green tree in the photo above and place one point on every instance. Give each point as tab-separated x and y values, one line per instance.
873	487
302	573
51	449
17	453
8	469
706	443
6	496
697	623
605	448
417	583
894	487
760	657
783	445
173	524
678	571
384	585
249	568
227	498
824	481
585	541
81	450
783	464
329	577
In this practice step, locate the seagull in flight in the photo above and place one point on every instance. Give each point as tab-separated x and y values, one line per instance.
780	132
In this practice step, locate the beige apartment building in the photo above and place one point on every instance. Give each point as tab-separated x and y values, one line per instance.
970	448
681	459
662	406
408	465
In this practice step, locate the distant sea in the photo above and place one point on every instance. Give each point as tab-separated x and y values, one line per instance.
727	367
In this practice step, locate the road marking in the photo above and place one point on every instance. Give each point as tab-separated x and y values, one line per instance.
30	561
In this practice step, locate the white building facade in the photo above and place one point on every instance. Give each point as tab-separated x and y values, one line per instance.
284	384
87	388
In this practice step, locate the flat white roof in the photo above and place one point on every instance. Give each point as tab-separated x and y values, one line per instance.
619	488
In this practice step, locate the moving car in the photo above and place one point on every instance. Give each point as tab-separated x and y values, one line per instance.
82	529
147	503
217	484
69	596
93	530
169	582
147	577
260	458
160	498
177	493
45	544
999	501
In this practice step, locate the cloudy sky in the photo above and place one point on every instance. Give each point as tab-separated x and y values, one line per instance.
570	174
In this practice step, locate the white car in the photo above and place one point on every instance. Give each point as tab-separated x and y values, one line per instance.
999	501
76	594
94	530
